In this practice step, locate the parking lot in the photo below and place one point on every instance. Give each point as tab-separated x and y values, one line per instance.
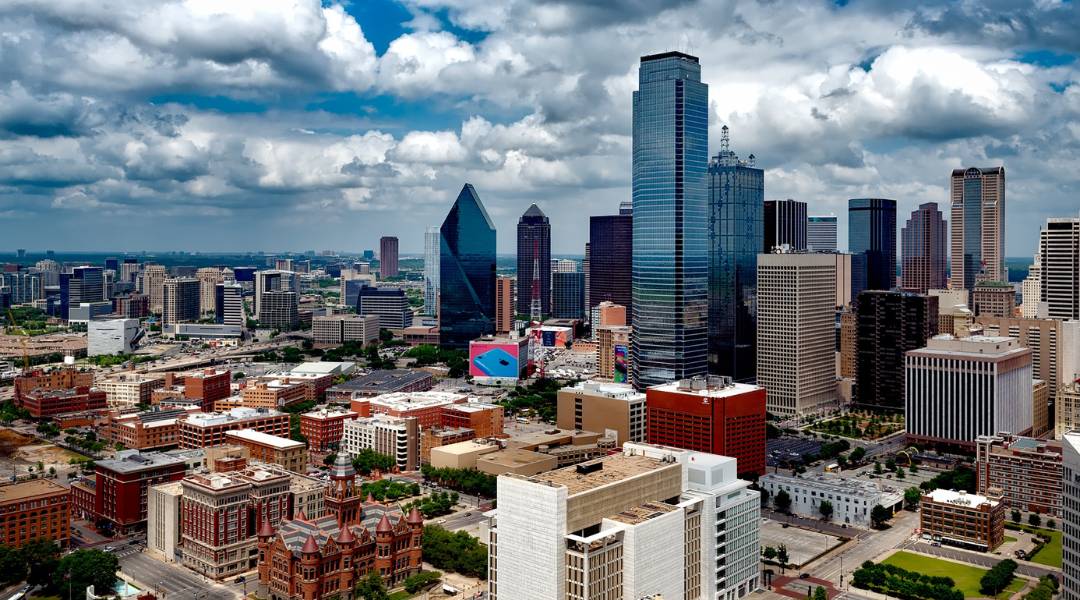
786	448
802	545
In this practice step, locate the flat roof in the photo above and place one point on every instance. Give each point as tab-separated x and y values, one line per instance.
723	391
383	381
959	498
414	400
473	406
29	489
326	413
549	436
616	467
614	391
513	457
466	447
264	438
640	514
128	461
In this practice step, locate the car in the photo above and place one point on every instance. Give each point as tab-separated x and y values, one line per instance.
843	526
110	548
804	576
133	542
468	514
440	521
786	525
936	544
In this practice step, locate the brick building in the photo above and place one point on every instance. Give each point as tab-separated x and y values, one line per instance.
323	428
203	430
710	415
1027	471
425	407
377	383
33	509
485	419
311	559
960	519
314	384
47	381
129	389
273	394
42	403
149	430
271	448
437	437
208	385
122	483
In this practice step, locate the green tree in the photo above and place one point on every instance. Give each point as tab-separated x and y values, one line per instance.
826	509
900	474
1034	519
890	464
877	468
772	432
912	497
1016	516
841	461
769	552
914	468
782	500
86	567
1051	524
820	594
782	557
419	581
857	454
329	460
879	515
371	588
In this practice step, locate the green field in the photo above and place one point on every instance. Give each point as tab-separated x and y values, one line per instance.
1010	539
1050	555
966	578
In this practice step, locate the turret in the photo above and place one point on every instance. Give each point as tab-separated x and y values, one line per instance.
266	536
309	567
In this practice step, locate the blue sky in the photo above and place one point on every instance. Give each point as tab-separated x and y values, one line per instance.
283	125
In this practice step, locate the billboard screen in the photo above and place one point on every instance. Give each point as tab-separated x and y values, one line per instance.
620	364
551	337
494	360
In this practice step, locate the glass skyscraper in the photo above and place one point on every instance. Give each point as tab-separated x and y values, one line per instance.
785	224
611	252
924	252
466	272
670	194
431	270
82	284
872	233
533	253
736	225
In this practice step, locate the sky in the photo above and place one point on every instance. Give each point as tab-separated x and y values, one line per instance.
293	125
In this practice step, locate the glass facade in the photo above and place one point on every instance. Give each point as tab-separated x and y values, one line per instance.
973	258
922	250
611	252
568	295
534	254
670	223
821	234
736	225
431	270
466	272
872	233
785	224
83	284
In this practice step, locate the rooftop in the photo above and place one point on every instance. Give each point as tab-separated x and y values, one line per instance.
512	457
235	414
467	447
29	489
129	461
554	436
324	368
960	498
383	381
640	514
614	391
845	485
976	345
203	373
473	407
711	387
329	413
414	400
616	467
264	438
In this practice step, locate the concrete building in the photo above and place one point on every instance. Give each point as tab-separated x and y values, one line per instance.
389	304
961	519
323	428
607	314
209	278
153	278
206	331
427	407
377	383
977	227
1059	272
273	394
180	301
994	298
617	410
821	233
437	437
796	316
1024	472
163	522
208	429
852	499
122	484
888	324
1067	410
1031	292
271	449
33	509
278	309
612	353
649	522
111	336
333	331
229	304
314	385
959	389
432	242
1070	502
849	328
388	257
504	305
392	436
953	310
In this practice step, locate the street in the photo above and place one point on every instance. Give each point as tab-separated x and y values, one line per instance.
178	582
828	527
859	550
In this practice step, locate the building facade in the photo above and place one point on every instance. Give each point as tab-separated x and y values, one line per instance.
378	382
323	428
611	259
534	262
504	305
432	242
111	336
784	225
335	330
271	449
466	272
923	250
568	295
33	509
821	233
229	304
1059	272
123	482
209	278
888	324
388	257
617	410
203	430
994	298
180	300
1026	471
852	499
872	233
978	227
81	285
392	436
961	519
1070	526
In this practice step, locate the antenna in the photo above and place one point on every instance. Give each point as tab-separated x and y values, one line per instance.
725	141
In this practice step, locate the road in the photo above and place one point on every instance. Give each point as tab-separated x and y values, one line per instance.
458	521
179	582
859	550
835	529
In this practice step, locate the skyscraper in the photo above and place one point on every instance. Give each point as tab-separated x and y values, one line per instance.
534	262
888	324
431	270
153	278
821	233
466	271
923	247
736	212
209	278
568	295
504	305
1059	270
670	257
82	284
229	304
978	226
785	223
180	300
611	254
388	253
872	233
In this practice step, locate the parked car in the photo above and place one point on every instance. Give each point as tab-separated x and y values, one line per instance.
804	576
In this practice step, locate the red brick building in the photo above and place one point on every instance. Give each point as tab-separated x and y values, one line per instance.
57	379
323	428
43	403
32	509
202	430
318	558
122	484
486	419
710	415
426	407
314	384
208	385
1028	472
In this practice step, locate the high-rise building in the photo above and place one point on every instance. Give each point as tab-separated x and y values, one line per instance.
278	309
784	224
22	286
265	281
612	353
888	324
229	304
504	304
924	245
81	285
568	295
534	262
1070	502
872	233
611	247
154	277
595	406
388	257
466	272
736	221
180	300
129	269
112	264
977	227
797	331
331	331
994	298
585	269
1031	290
821	233
671	237
389	304
209	278
432	238
1059	247
50	272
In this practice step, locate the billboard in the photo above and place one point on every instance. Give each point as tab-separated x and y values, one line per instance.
494	360
620	364
551	337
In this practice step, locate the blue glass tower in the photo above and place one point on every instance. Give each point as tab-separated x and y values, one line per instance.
466	272
872	233
82	284
736	230
671	234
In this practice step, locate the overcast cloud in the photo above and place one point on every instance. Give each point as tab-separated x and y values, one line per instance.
279	125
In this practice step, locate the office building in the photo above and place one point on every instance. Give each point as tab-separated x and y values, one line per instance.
392	436
960	388
617	410
272	395
1070	542
164	522
229	304
207	385
122	484
333	331
710	414
466	272
924	249
1025	471
438	437
852	499
272	449
504	305
209	278
432	239
81	285
47	381
388	257
35	509
22	287
146	430
797	332
736	225
278	310
534	263
129	270
994	298
611	246
1031	292
264	282
389	304
977	227
132	306
888	324
608	314
952	310
872	233
612	353
821	233
1059	272
180	301
111	336
323	428
203	430
648	522
49	403
568	295
486	420
425	407
784	225
671	236
153	279
128	389
957	518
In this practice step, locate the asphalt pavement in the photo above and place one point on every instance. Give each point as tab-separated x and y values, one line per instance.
178	582
826	527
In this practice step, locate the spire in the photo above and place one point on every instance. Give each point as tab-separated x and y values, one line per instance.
534	212
369	499
346	536
414	517
266	530
384	525
300	516
310	546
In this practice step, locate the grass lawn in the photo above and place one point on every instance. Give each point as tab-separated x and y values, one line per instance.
1050	555
1010	539
966	578
401	595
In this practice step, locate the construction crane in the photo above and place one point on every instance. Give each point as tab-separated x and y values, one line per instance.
25	357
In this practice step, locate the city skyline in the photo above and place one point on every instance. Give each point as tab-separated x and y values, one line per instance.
370	117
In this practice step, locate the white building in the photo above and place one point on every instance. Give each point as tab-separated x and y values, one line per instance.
650	521
432	243
852	499
229	304
335	330
392	436
111	336
163	521
821	233
1059	248
1070	527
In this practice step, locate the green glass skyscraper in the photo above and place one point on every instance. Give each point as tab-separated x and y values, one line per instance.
670	194
466	272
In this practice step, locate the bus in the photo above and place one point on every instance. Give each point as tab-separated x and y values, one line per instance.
523	420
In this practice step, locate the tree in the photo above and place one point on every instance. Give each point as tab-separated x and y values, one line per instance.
998	578
879	515
1016	516
371	588
857	454
826	509
820	594
764	497
419	581
457	551
1051	524
914	468
841	461
782	557
900	474
329	460
890	464
1034	519
769	552
912	496
772	432
782	500
877	468
87	567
